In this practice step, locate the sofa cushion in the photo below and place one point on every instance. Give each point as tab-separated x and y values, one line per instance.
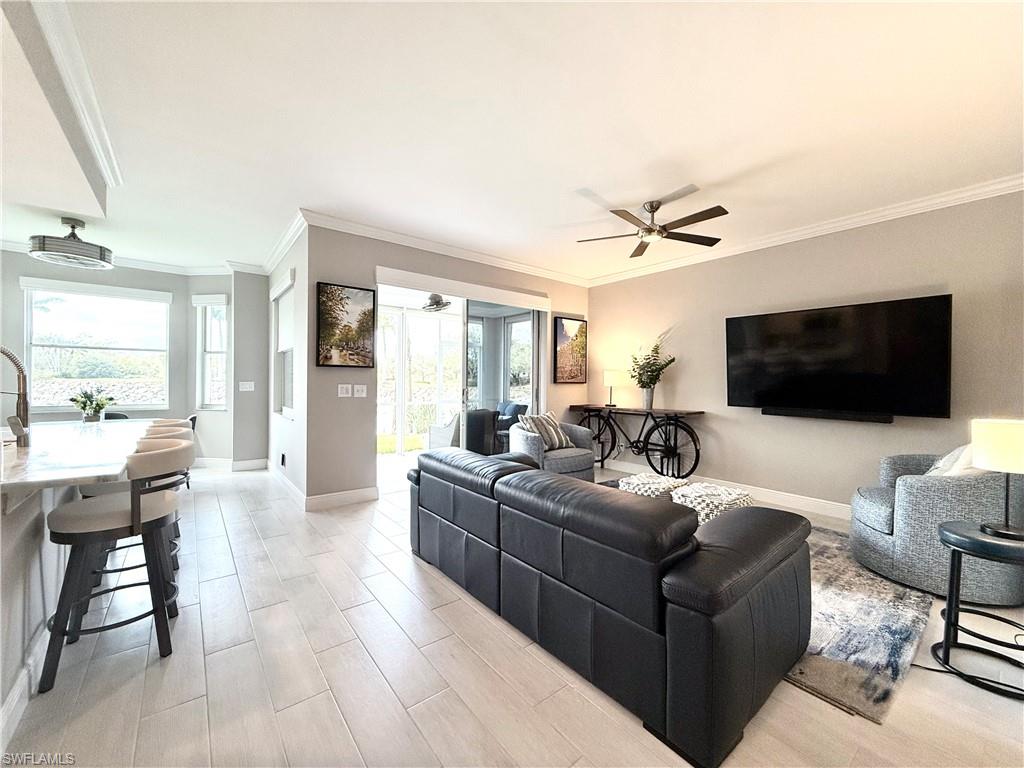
562	460
467	469
874	507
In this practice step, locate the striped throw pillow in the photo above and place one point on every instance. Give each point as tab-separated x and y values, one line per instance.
547	426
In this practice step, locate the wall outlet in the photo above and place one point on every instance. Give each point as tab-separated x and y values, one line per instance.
359	390
247	386
344	390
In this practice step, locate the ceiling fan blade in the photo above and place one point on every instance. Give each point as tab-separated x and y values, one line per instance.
698	239
693	218
610	237
630	218
639	250
679	194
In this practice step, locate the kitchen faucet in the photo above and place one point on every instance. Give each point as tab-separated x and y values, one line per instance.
22	393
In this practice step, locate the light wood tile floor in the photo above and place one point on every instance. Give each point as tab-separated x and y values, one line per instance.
316	639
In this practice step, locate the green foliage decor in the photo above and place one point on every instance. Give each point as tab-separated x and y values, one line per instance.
648	366
91	402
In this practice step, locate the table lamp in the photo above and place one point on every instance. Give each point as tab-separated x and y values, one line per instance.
614	379
998	445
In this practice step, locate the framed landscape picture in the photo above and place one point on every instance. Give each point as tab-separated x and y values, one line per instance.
346	318
570	364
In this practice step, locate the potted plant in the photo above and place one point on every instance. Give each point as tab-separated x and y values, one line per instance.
647	369
91	403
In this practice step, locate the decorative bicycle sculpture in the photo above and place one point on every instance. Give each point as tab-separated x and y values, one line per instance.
669	444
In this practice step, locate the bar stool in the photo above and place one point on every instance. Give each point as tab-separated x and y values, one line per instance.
148	510
179	423
122	486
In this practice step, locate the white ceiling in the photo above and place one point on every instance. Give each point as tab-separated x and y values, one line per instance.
500	128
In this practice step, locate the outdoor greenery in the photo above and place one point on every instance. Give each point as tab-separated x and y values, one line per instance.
648	366
91	402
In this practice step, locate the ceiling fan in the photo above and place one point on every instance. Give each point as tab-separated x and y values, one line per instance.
650	232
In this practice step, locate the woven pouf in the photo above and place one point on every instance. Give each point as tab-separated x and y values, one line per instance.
709	500
650	484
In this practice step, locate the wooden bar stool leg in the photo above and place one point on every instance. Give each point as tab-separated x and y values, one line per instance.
151	547
69	592
166	567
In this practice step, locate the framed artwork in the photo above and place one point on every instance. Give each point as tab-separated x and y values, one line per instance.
346	318
570	364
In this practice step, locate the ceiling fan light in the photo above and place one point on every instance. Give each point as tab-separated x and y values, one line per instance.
70	250
650	235
436	303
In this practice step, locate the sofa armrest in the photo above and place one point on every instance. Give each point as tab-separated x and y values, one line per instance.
734	552
581	436
737	620
933	499
892	468
530	443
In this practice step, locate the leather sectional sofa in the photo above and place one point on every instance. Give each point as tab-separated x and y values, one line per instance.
689	629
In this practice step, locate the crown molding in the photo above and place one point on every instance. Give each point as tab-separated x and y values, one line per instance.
238	266
285	242
350	227
62	38
170	269
1003	186
15	246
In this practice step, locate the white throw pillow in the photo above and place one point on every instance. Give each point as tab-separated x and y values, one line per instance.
956	463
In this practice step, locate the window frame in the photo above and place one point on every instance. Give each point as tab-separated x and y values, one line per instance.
277	378
202	303
29	285
506	355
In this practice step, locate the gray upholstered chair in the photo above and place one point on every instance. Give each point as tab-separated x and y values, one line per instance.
894	528
444	435
577	461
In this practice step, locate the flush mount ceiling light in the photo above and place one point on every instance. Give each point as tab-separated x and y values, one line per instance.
435	303
70	250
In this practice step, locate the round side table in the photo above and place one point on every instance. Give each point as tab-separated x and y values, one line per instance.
967	538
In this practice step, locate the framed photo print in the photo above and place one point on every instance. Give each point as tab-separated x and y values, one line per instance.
570	365
346	318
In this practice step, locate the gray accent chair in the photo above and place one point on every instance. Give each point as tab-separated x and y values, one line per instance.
894	529
444	435
577	461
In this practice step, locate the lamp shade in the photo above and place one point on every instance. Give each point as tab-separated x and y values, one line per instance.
998	445
614	378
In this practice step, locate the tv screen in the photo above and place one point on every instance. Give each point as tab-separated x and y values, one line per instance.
887	357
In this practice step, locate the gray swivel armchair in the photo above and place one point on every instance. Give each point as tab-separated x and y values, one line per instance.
894	528
577	461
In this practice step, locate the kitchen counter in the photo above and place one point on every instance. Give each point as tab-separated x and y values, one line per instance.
66	453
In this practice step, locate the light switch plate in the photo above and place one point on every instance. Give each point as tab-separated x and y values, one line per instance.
247	386
359	390
344	390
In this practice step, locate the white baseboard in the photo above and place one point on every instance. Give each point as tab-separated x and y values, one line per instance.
341	498
247	465
296	495
24	685
765	495
208	462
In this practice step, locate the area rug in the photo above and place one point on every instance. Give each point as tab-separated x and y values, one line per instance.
864	631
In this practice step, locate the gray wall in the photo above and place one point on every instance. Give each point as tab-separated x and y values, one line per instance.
250	321
973	251
342	432
288	435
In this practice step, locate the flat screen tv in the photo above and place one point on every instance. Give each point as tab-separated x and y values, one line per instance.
858	361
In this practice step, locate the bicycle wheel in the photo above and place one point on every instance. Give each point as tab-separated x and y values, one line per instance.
604	433
672	447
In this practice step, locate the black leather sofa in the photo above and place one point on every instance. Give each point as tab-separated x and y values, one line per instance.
689	629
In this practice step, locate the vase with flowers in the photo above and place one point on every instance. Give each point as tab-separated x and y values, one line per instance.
647	369
91	403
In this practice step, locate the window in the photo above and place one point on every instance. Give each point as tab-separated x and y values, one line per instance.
519	359
474	358
284	352
89	337
211	351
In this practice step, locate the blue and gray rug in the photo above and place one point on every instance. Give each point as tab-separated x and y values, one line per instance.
864	630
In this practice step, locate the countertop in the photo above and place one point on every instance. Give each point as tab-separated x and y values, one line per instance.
70	453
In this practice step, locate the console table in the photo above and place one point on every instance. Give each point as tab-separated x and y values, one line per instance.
665	438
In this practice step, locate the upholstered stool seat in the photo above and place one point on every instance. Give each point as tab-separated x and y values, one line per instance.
109	512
